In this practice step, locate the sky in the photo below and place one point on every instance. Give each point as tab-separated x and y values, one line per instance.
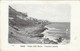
50	12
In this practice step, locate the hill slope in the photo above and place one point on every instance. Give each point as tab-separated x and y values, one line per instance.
21	26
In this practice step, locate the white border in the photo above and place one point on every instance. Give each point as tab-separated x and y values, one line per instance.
75	25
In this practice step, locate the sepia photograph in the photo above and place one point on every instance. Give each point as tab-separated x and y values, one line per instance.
39	23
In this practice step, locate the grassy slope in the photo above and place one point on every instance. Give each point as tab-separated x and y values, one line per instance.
27	28
21	38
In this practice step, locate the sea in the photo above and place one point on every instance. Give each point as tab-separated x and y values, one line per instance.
58	29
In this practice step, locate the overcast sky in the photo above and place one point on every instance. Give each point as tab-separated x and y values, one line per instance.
51	12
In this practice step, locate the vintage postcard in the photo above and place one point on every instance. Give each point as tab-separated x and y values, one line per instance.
40	26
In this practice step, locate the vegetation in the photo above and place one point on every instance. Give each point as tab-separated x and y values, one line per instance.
21	26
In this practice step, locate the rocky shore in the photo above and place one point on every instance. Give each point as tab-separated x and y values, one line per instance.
28	30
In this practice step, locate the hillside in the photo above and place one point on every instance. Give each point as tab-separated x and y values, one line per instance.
13	12
20	19
21	26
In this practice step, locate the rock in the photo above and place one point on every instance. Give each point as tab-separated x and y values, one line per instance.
53	42
37	35
60	39
46	41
